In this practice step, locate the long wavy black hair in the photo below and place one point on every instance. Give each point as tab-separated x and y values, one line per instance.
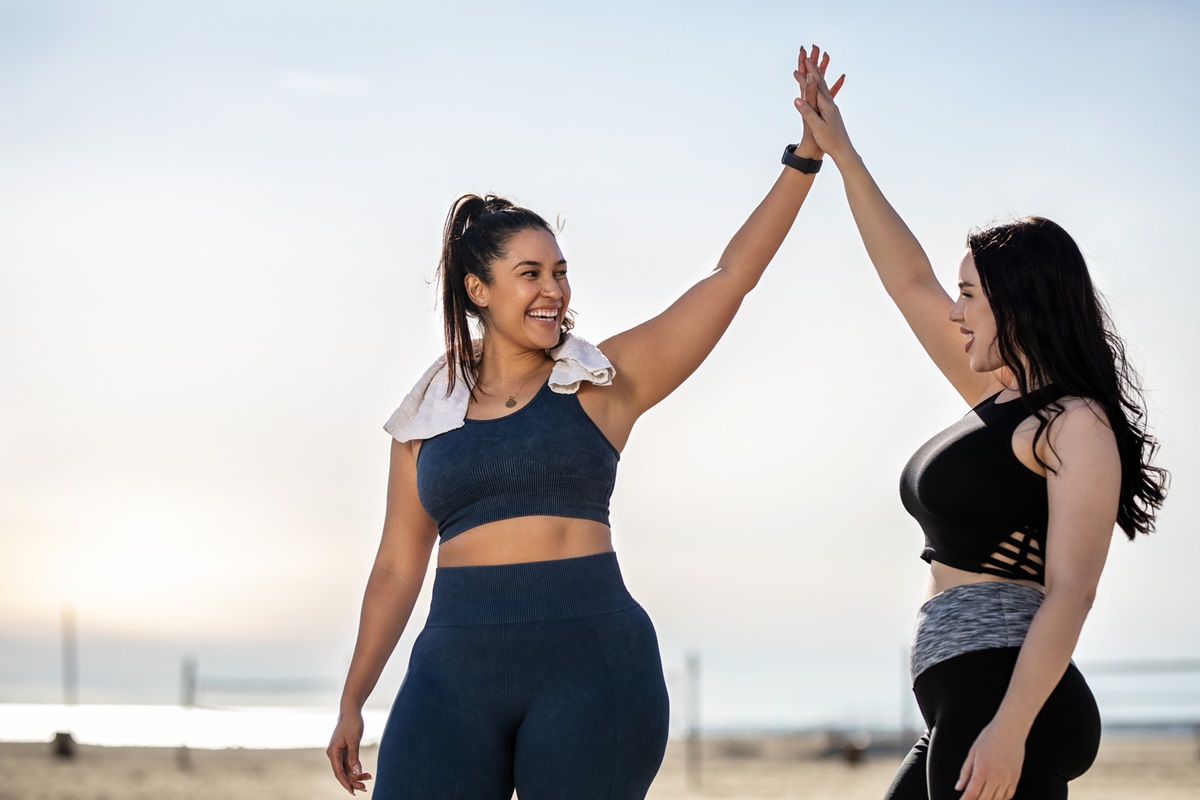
1052	328
476	234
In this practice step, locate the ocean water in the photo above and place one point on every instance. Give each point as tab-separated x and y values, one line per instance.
1169	710
176	726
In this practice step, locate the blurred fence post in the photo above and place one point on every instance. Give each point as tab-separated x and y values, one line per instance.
187	683
693	721
70	654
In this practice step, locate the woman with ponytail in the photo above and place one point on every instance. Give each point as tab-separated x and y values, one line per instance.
535	669
1017	500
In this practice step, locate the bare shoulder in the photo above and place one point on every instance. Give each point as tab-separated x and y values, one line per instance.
1080	430
403	461
1080	413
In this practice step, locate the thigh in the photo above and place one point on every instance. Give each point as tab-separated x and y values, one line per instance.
597	712
1065	737
447	736
910	782
961	695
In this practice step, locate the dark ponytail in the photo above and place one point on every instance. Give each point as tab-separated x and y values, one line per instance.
1052	328
476	235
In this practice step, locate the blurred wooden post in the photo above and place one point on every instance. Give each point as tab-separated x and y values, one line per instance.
70	653
693	717
187	698
187	684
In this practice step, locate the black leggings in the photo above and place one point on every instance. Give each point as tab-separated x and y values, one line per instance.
958	698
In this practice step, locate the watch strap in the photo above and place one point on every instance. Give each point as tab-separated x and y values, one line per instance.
809	166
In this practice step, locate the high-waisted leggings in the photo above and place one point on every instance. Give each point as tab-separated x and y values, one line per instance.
958	698
544	677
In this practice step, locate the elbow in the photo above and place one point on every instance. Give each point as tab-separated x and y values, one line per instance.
739	282
1079	598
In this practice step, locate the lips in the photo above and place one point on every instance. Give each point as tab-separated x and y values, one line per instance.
970	339
544	314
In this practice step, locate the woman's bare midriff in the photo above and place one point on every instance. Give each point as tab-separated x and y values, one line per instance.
523	539
943	577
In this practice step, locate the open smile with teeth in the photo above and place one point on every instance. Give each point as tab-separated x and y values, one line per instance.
544	314
969	336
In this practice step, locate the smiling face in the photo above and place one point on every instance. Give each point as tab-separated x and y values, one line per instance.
975	319
527	299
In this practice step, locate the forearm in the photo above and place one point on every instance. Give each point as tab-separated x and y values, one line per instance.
1044	658
754	245
387	606
891	246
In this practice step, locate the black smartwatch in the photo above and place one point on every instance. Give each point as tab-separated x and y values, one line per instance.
809	166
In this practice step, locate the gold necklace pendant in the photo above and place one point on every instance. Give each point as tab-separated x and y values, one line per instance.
511	402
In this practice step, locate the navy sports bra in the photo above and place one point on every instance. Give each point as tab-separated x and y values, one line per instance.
546	458
981	509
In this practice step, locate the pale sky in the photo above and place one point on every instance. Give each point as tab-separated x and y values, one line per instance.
218	227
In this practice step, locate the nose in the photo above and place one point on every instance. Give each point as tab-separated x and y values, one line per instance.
550	288
955	314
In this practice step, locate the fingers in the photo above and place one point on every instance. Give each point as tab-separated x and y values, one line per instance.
355	770
837	86
809	101
964	774
822	87
336	756
809	113
812	70
811	67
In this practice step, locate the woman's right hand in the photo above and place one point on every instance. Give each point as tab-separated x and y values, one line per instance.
822	118
343	752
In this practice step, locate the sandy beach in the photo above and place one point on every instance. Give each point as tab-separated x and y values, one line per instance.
741	769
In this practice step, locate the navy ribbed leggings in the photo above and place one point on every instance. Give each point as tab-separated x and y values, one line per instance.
544	677
959	696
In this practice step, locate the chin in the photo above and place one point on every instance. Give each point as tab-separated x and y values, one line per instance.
547	342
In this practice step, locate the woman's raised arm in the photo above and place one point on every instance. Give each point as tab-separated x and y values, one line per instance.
654	358
898	257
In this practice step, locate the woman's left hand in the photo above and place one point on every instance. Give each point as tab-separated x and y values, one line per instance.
808	144
993	765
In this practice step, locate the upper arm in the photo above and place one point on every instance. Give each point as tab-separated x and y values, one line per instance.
652	359
926	308
408	532
1084	487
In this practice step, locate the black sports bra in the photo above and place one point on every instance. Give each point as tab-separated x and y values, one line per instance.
981	509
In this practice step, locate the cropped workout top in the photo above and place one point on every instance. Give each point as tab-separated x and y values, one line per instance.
981	509
546	458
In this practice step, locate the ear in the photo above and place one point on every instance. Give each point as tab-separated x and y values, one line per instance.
476	290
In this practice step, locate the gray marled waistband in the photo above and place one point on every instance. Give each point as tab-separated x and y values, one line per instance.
974	616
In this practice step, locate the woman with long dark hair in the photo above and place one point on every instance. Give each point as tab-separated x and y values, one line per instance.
535	669
1017	500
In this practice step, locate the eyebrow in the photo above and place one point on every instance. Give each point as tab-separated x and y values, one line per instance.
561	262
961	284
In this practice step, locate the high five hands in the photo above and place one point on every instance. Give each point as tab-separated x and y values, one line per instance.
823	127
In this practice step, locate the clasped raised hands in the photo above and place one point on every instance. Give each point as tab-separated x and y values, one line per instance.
824	131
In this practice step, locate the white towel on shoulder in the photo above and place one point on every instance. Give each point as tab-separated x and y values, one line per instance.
426	411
